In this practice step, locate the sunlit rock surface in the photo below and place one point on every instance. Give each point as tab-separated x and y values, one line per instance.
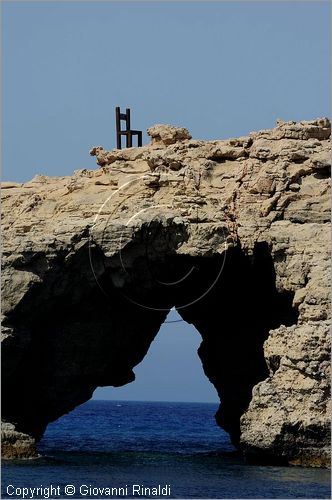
234	233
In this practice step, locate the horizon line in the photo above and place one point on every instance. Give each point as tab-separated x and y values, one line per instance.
151	401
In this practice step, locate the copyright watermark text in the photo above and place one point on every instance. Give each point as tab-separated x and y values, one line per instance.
87	490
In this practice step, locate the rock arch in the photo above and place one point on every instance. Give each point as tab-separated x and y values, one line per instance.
232	233
86	333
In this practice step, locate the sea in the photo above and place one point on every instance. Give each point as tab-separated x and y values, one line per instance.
127	449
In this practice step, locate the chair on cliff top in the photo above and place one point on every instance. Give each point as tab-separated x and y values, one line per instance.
127	132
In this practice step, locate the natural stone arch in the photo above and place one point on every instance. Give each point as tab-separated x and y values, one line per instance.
85	333
72	261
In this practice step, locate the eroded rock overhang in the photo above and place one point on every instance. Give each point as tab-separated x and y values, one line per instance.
93	262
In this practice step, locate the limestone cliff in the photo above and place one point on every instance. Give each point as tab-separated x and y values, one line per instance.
234	233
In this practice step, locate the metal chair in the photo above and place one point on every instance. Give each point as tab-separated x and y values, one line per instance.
128	133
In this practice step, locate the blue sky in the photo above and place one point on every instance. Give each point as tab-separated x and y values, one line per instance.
221	69
171	371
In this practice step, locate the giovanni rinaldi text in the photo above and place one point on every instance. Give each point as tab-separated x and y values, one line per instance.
87	490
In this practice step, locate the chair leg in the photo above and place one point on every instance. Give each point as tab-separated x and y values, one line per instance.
139	139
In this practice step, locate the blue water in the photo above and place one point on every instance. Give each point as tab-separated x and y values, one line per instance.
175	445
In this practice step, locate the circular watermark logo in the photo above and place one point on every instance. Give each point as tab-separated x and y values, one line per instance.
150	234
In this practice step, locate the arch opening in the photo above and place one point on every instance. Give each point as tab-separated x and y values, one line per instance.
169	407
171	371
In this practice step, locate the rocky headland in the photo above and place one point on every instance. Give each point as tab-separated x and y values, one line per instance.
234	233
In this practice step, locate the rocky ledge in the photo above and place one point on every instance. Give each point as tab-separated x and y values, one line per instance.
233	233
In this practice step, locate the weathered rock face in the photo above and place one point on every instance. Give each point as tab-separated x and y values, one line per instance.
234	233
